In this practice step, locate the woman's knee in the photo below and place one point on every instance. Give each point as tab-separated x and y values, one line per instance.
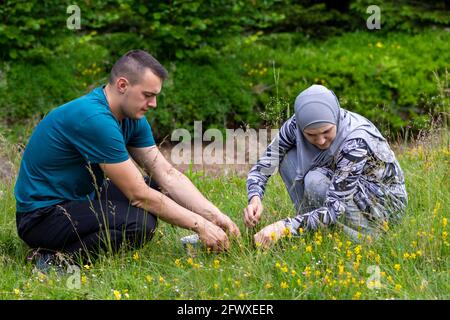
288	166
316	185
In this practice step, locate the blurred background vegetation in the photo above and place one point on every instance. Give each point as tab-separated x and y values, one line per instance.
231	63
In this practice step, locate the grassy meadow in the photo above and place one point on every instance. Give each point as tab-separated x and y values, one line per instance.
411	261
240	64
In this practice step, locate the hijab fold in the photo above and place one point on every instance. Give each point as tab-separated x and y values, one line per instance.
318	105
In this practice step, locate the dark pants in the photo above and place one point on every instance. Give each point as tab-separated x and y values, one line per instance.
87	227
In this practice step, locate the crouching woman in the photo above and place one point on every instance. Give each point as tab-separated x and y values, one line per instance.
338	170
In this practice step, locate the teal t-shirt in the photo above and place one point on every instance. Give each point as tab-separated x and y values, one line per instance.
68	144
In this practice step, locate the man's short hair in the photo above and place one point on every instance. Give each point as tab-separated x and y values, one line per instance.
133	64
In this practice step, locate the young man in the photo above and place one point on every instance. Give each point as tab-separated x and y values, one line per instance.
63	201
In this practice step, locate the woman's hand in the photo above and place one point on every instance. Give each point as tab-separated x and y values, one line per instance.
252	214
270	234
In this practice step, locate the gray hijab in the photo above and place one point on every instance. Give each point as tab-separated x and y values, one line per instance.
317	106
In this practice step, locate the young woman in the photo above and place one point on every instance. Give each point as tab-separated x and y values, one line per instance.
337	167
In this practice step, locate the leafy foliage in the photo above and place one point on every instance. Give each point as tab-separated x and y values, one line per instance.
220	56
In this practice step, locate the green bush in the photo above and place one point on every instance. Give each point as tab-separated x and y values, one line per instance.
404	15
215	94
35	89
389	78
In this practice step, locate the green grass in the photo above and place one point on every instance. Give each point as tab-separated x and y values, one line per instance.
412	259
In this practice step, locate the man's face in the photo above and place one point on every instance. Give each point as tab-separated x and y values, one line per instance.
140	97
321	137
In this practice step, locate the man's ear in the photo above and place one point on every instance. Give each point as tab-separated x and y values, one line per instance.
122	85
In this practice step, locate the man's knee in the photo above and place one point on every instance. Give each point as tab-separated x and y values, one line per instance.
144	228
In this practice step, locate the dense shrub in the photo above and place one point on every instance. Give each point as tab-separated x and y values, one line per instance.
221	56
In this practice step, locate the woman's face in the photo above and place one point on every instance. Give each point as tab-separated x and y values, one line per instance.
321	137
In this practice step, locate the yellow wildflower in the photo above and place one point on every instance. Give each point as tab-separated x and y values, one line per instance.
379	45
349	253
406	255
307	271
286	232
149	279
397	267
308	248
284	285
284	269
374	284
136	256
216	264
341	270
444	235
178	262
17	292
444	222
83	279
117	294
293	273
273	236
436	208
398	287
268	285
190	261
357	296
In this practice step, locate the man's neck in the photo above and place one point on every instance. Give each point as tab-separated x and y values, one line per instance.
111	98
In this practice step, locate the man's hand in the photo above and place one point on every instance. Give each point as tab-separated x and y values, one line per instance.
226	224
213	236
252	214
180	188
270	234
